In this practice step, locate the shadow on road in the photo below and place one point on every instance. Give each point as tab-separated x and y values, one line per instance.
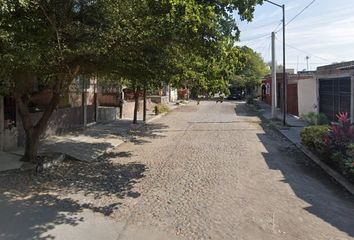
29	209
241	109
327	199
88	144
145	134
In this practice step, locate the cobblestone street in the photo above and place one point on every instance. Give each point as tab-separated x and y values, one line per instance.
208	171
214	174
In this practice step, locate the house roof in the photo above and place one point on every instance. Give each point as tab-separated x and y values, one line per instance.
338	66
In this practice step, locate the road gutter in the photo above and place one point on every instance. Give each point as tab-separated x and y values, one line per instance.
330	171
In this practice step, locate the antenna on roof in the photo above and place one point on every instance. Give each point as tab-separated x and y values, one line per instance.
307	61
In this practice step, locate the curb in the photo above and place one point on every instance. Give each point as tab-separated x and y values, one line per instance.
334	174
156	117
164	114
331	172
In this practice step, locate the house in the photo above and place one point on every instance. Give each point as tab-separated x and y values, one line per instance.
299	99
76	108
306	92
328	90
165	94
335	89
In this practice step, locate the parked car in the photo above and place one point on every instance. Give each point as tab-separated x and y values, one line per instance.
236	94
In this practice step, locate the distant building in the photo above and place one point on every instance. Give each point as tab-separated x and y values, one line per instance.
296	84
335	89
328	90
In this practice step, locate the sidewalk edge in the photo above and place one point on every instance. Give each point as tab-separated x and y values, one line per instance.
331	172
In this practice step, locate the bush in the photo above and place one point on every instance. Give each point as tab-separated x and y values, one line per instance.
312	137
161	108
341	134
350	150
334	144
344	164
313	118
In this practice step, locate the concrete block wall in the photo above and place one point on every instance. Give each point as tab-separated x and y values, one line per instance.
106	114
128	108
10	139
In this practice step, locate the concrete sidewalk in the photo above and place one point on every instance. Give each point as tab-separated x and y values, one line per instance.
9	161
85	144
90	143
294	123
292	133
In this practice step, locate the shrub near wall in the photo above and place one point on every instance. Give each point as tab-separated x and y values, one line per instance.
333	144
339	142
312	137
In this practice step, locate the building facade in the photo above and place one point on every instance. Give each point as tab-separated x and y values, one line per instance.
335	89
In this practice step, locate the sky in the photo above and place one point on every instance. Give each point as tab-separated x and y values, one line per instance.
324	32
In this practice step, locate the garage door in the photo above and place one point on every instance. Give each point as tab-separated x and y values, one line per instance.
334	96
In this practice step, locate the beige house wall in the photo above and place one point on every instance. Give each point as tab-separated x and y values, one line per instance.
307	96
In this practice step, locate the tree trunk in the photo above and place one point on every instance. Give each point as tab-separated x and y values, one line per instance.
31	147
34	131
144	107
136	105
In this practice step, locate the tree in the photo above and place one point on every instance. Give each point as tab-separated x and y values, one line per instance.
252	71
51	42
48	44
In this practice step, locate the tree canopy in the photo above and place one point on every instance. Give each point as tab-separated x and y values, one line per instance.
252	71
52	42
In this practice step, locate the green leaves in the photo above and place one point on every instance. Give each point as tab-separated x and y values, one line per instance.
186	41
252	69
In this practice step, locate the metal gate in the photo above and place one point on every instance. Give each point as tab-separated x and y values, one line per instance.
292	101
334	96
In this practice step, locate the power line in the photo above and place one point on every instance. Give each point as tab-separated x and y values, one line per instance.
300	50
261	26
308	53
267	53
256	38
306	62
303	10
275	29
262	43
307	6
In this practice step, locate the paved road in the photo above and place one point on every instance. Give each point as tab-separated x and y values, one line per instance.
208	171
215	172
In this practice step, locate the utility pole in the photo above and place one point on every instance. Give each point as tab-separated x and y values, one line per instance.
285	82
274	79
144	104
84	105
307	62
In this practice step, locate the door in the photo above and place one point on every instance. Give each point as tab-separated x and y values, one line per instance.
292	101
334	96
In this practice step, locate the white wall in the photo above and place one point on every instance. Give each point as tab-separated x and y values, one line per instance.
307	96
173	94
